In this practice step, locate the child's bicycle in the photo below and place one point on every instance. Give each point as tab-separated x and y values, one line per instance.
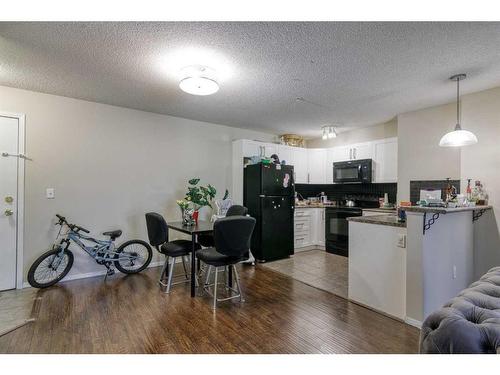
131	257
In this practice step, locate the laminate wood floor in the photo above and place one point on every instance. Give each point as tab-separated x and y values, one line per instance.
317	268
129	314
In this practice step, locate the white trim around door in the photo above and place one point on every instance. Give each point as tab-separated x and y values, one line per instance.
21	139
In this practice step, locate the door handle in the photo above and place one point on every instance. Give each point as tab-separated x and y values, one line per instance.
350	153
354	153
8	212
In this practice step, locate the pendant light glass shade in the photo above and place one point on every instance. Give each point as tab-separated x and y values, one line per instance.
458	137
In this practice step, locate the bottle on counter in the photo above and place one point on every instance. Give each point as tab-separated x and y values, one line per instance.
479	195
468	191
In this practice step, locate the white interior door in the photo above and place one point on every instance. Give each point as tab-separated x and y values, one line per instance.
9	133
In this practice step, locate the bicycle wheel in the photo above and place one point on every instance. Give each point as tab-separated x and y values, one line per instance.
133	256
50	268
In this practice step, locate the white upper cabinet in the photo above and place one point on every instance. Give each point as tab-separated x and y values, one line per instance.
362	151
297	157
299	161
252	148
316	160
268	149
385	160
315	166
340	153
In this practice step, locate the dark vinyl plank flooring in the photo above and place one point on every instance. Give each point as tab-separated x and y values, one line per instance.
129	314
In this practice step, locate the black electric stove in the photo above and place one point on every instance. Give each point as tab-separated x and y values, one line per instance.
337	226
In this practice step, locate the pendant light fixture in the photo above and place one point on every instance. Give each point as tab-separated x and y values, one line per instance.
328	132
458	137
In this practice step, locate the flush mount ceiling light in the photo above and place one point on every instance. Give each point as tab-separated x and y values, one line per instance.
328	132
198	80
458	137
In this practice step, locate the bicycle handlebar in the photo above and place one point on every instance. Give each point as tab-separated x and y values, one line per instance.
73	227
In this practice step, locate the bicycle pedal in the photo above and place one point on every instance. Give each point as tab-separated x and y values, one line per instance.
110	272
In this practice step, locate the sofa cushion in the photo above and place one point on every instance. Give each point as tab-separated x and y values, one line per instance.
469	323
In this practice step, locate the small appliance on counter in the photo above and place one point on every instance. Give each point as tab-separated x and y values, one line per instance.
268	193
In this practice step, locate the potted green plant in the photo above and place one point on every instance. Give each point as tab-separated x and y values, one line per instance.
199	196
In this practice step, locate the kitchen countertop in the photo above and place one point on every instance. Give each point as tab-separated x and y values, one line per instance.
381	209
318	205
443	210
390	220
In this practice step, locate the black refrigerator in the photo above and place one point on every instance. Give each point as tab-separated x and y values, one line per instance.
269	195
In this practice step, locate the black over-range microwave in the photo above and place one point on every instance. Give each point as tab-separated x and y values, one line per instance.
353	171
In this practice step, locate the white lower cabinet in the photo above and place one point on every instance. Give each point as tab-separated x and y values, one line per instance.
377	267
309	228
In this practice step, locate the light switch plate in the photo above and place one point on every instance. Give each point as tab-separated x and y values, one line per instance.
50	193
401	241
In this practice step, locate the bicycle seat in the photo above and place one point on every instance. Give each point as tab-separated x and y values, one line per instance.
113	233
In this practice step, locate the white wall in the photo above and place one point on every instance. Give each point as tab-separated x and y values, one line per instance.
110	165
420	158
481	114
419	155
386	130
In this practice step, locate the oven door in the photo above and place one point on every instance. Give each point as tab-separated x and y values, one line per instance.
337	230
347	172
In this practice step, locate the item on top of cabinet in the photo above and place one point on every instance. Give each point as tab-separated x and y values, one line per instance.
275	159
405	204
292	140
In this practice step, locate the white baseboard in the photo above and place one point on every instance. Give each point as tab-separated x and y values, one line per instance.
413	322
95	273
307	248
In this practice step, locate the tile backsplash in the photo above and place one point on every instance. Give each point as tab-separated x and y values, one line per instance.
341	191
416	186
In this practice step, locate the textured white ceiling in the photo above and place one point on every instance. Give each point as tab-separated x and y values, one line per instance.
356	73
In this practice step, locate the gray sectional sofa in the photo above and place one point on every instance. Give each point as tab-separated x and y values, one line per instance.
469	323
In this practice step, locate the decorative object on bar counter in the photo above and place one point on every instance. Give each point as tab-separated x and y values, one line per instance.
479	194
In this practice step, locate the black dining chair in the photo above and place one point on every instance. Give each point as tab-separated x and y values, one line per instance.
207	240
232	237
158	238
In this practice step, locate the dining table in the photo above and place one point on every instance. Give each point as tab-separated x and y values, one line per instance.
200	227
